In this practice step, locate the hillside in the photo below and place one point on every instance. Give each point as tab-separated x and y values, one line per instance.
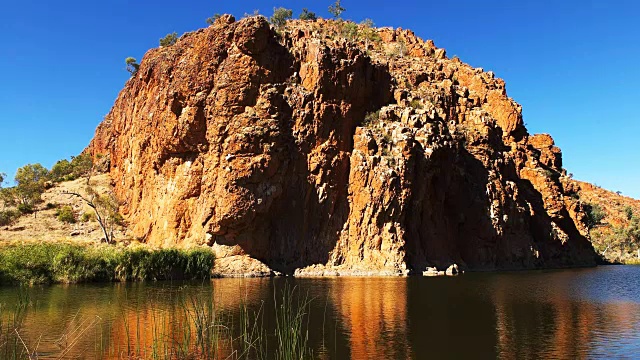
615	226
325	147
44	225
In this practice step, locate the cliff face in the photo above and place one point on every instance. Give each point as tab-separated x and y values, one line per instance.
255	142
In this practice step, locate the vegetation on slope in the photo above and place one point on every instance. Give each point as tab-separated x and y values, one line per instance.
614	223
44	263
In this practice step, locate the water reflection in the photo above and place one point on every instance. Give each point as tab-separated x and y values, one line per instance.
560	314
373	312
568	314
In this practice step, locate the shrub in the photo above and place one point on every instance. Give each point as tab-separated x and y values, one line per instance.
368	32
25	208
280	16
349	30
7	217
336	9
371	118
212	20
66	215
574	195
628	212
50	206
169	40
88	216
386	139
308	15
8	196
399	49
416	104
132	65
595	215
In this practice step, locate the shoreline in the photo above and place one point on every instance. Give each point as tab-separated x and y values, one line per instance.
37	263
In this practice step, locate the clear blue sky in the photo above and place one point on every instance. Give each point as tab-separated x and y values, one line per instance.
573	65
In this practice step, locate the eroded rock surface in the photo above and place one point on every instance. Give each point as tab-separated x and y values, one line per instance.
242	137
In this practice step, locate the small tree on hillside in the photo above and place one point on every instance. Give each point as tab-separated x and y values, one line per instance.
30	184
106	209
595	215
369	32
308	15
280	16
212	20
628	212
60	170
8	197
132	65
169	40
65	170
3	192
336	10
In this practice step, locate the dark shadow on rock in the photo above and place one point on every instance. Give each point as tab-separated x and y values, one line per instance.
309	154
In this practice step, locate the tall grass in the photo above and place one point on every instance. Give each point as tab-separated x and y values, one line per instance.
11	322
191	327
43	263
292	327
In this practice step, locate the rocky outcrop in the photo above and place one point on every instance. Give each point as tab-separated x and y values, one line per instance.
322	151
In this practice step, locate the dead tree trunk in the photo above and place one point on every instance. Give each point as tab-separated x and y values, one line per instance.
90	201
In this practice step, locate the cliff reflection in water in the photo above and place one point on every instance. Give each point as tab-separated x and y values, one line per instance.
560	314
373	315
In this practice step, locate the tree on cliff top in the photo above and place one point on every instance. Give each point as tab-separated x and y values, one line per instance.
2	176
308	15
212	20
336	9
132	65
280	16
169	40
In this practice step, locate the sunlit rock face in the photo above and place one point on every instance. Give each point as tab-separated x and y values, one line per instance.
320	153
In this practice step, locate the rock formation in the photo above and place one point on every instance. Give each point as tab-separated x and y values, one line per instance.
322	148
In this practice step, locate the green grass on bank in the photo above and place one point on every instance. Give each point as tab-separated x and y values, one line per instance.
44	263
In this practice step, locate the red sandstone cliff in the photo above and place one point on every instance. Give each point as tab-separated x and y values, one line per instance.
255	142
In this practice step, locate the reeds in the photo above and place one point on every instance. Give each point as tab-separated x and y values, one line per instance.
12	325
45	263
197	329
11	321
186	323
292	327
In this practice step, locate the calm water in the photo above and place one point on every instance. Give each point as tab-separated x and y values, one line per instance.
567	314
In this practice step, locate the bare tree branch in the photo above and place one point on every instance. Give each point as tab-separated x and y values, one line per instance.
91	202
